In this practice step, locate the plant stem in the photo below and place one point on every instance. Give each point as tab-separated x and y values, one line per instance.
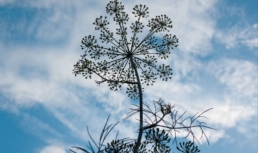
141	105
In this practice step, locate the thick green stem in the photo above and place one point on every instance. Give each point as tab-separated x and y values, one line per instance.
138	143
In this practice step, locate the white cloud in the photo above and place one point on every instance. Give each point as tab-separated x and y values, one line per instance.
233	37
55	26
38	127
4	2
238	75
240	94
53	149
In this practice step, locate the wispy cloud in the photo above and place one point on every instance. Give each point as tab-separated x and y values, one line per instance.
38	127
239	36
53	149
238	75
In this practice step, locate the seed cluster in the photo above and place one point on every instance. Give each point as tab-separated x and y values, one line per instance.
114	64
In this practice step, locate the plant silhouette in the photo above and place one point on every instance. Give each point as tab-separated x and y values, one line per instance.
123	60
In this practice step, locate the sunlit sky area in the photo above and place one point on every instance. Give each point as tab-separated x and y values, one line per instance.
44	108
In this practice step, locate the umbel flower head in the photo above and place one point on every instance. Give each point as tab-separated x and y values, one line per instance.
127	60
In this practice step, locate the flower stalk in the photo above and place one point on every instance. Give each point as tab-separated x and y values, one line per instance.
138	143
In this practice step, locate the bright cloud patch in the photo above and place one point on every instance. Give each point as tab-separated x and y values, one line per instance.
236	36
53	149
239	76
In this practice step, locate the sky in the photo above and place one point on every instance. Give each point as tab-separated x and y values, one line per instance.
44	108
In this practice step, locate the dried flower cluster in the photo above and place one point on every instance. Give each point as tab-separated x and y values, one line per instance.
116	65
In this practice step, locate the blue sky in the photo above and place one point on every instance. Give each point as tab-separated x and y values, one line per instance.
45	109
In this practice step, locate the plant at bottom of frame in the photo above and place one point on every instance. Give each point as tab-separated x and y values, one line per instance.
156	140
187	147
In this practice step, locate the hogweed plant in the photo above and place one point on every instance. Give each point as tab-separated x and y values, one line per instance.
132	61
